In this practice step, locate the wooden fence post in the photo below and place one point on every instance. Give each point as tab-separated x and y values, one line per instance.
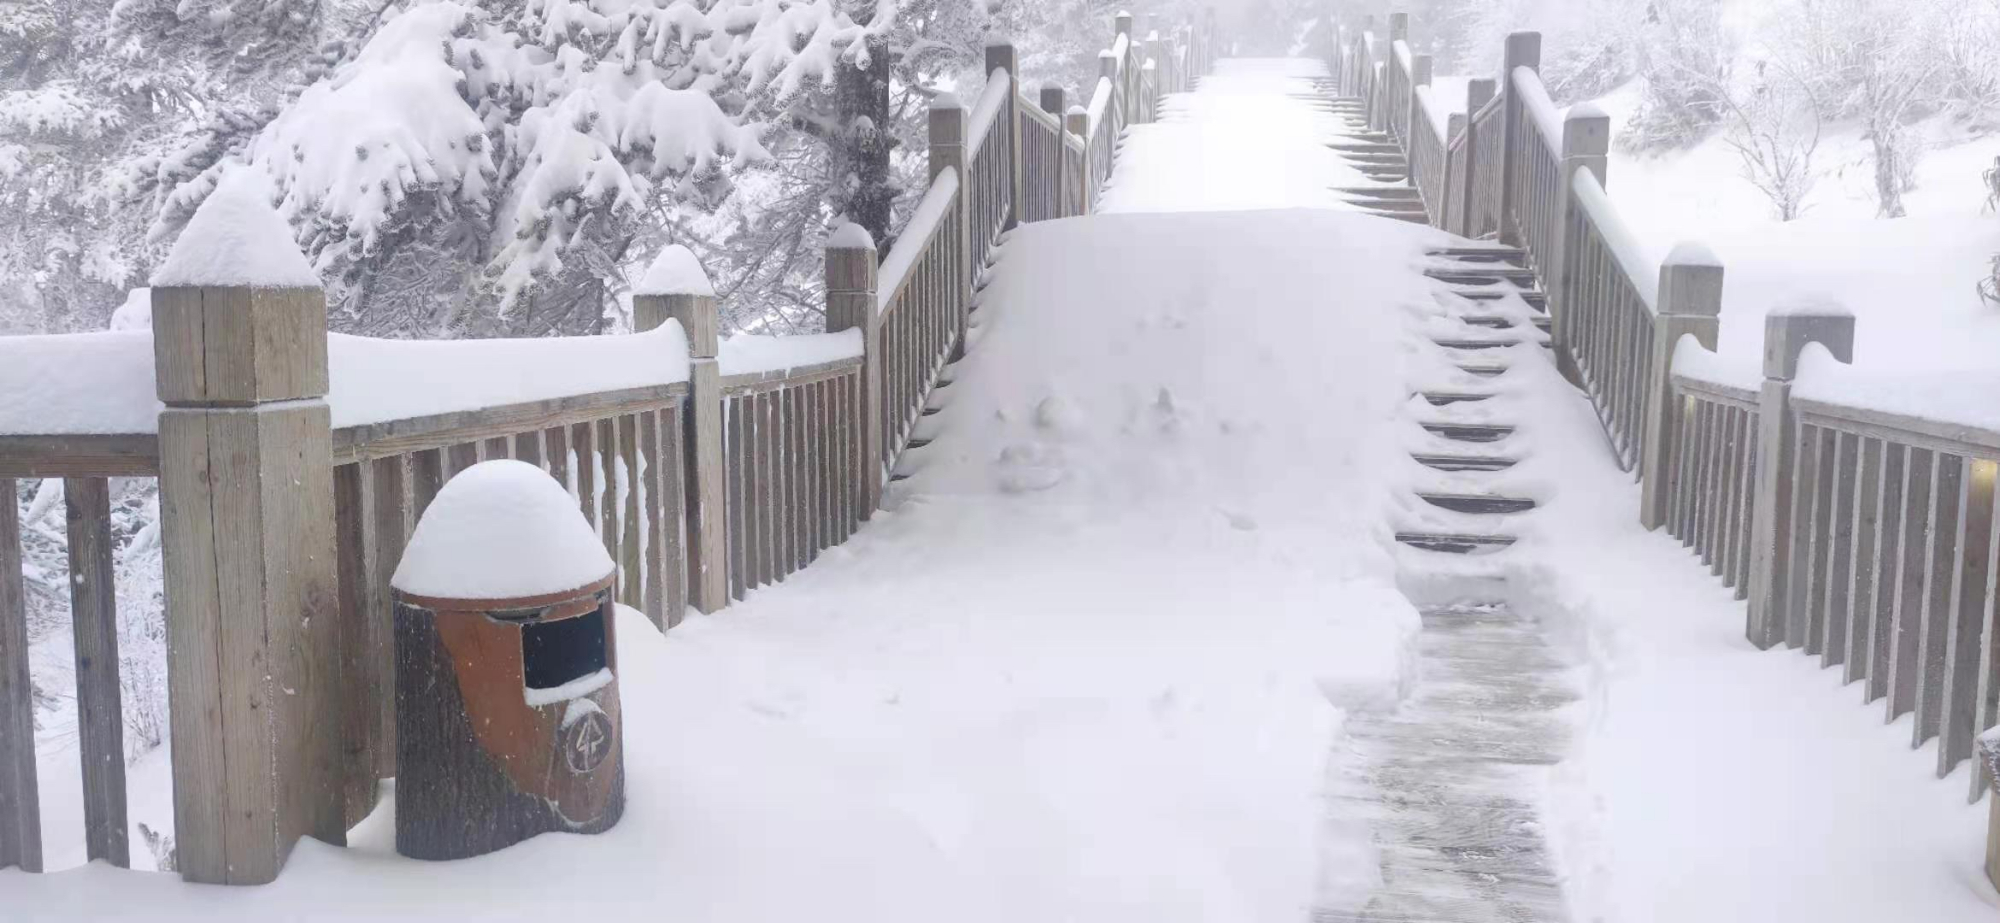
1690	302
1586	142
1077	122
247	518
1524	49
850	305
1420	76
685	295
1001	56
947	150
20	805
1786	333
1054	102
1477	94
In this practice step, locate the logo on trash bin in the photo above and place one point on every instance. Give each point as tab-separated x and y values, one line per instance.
586	742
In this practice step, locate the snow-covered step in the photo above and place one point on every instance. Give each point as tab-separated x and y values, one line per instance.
1524	278
1454	543
1482	369
1469	432
1479	504
1511	255
1475	344
1446	398
1465	462
1379	192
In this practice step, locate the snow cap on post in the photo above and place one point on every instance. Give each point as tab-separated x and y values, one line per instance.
850	236
1107	64
946	100
1802	319
675	272
1122	23
501	529
238	314
237	240
676	288
1691	281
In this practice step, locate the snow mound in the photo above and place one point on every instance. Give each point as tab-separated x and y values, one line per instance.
747	353
850	236
501	529
675	272
237	239
1692	253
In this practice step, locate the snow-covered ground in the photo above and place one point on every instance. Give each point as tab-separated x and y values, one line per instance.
1909	281
1712	781
1090	663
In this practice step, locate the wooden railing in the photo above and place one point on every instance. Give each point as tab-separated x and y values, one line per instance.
1856	517
716	468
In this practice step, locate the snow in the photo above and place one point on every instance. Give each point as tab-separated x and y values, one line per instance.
1535	99
1711	781
78	383
1240	143
1090	664
748	353
850	236
1958	397
1908	281
574	689
675	272
1612	228
1698	362
999	86
938	201
501	529
103	382
237	239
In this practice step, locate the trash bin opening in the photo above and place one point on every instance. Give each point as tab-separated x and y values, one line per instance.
558	652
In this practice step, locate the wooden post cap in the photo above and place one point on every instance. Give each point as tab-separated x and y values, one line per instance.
676	287
1808	319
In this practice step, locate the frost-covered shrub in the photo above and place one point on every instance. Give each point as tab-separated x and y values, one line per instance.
1586	44
1684	62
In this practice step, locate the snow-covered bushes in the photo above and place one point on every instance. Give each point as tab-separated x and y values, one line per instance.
1684	60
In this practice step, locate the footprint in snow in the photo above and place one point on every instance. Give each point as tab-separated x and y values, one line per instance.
1028	467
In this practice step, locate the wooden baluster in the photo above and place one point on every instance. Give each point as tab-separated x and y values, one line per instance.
1971	567
20	804
93	597
1947	480
361	657
1887	578
631	575
390	506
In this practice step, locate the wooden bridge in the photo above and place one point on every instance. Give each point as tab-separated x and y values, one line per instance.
1859	531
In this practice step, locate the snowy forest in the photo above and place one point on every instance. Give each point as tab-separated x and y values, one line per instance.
483	168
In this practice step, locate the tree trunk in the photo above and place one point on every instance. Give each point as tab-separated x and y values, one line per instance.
864	191
1888	184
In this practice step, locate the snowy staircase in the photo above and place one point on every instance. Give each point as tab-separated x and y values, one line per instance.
1493	306
1379	158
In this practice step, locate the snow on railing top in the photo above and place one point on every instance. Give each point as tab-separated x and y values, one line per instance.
747	354
917	234
991	101
1954	403
1439	116
102	383
1100	102
1535	99
1701	365
1624	246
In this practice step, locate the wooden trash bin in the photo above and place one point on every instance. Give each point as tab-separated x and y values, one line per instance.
507	713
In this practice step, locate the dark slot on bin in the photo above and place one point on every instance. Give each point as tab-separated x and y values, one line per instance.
554	653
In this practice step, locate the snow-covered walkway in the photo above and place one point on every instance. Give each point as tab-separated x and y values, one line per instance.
1135	639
